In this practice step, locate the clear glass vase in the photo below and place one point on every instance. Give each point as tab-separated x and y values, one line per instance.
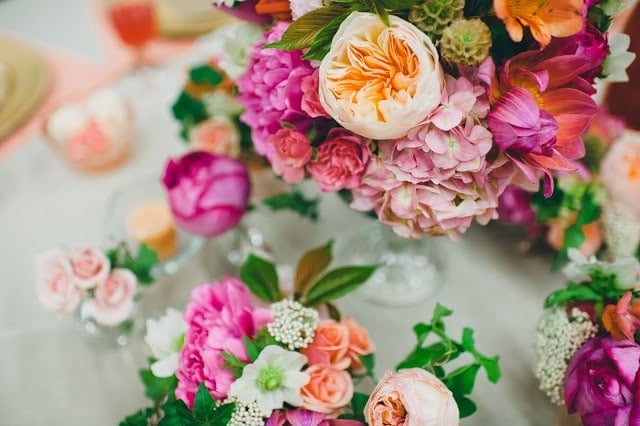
102	336
412	271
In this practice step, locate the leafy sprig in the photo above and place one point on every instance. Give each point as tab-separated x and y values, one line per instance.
312	286
295	201
434	355
141	265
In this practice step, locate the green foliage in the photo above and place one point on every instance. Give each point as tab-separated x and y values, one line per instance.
357	405
435	355
189	111
310	266
321	43
599	18
141	265
205	411
233	364
296	202
369	364
157	388
261	277
205	74
139	418
337	283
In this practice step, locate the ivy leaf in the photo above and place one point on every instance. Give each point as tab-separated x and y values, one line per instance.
321	43
261	277
310	266
337	283
296	202
176	413
302	31
462	380
205	74
421	331
204	404
490	365
139	418
157	388
466	407
572	292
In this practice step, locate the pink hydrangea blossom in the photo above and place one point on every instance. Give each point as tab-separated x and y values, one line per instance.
271	90
292	151
218	316
460	100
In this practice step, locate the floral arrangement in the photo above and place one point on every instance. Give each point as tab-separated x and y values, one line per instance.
291	358
586	343
423	111
103	284
593	207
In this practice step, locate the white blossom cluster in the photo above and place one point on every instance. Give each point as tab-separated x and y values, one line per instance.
245	414
294	325
558	336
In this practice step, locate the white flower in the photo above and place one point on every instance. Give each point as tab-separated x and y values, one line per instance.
231	45
626	269
227	3
219	103
165	337
621	228
293	325
578	268
273	379
301	7
615	66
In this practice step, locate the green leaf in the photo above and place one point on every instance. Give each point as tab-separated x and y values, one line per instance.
490	365
573	292
140	418
222	415
492	368
261	277
440	312
462	380
157	388
143	263
337	283
547	208
205	74
358	402
176	413
189	111
369	364
466	407
589	209
204	404
252	349
321	43
422	331
233	364
302	31
398	4
310	266
296	202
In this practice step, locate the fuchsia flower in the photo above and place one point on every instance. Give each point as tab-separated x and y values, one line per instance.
300	417
515	207
271	90
218	316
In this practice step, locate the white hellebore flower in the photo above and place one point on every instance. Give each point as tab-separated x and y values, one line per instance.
273	379
379	81
615	66
165	337
231	45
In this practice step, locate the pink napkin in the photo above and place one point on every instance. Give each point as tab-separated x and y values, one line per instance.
75	76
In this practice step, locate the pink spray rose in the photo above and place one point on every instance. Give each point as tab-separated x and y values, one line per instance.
341	162
218	316
330	345
113	299
360	343
328	390
55	283
218	135
90	266
602	383
208	193
411	397
292	152
620	171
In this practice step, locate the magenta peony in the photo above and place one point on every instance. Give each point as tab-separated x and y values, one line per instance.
218	316
271	90
208	193
602	383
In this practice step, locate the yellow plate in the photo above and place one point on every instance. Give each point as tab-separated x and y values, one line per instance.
27	82
188	18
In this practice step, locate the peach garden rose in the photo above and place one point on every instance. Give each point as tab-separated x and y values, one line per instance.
360	343
379	81
328	389
330	345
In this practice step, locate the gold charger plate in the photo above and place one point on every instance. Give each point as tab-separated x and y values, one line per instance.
27	81
188	18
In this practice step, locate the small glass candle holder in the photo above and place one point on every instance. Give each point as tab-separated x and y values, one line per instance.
137	213
93	132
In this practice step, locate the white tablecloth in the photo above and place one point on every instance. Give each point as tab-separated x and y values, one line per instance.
50	375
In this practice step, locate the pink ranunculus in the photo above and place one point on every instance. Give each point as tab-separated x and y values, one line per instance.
310	97
292	151
341	161
218	135
411	397
328	391
54	281
90	266
271	90
620	170
330	345
113	299
360	344
218	316
208	193
602	382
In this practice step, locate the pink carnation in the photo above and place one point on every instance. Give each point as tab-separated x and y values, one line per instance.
340	162
292	151
271	90
218	316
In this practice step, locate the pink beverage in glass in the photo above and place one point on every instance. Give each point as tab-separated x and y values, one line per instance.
134	21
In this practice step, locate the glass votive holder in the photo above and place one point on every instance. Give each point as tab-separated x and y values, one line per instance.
137	213
92	132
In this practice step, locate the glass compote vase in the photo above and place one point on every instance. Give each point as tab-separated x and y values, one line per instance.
105	337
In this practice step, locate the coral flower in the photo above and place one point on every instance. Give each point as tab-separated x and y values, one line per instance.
623	319
545	18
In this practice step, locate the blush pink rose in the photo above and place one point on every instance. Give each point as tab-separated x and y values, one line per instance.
218	135
411	397
341	161
328	390
330	345
54	282
359	342
292	151
90	266
620	170
113	299
311	96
